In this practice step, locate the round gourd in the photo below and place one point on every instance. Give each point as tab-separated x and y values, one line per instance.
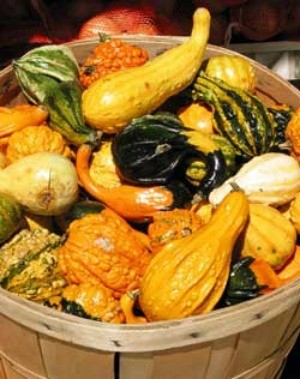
235	70
268	235
11	216
32	139
197	116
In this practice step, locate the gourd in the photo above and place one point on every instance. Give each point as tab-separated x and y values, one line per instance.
291	271
11	216
197	169
48	75
145	88
32	139
282	115
130	202
272	178
293	135
103	248
152	148
249	278
16	118
172	225
294	212
28	265
77	211
90	301
238	115
43	183
127	303
197	116
269	236
234	70
102	167
188	276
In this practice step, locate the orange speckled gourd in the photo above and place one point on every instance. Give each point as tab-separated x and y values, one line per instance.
103	248
188	276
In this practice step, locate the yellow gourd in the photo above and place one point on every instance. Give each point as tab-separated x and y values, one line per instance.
269	236
188	276
112	102
294	212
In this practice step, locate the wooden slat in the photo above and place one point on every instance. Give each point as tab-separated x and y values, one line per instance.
2	372
139	366
259	343
64	361
21	345
222	353
11	373
188	362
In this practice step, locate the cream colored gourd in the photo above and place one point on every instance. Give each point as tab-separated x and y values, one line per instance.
272	178
269	236
188	276
43	183
113	101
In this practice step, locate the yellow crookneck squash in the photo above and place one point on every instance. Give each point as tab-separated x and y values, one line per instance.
188	276
145	88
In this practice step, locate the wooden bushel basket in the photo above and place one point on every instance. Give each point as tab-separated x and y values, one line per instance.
246	341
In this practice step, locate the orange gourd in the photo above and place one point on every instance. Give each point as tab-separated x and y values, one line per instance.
198	117
32	139
172	225
188	276
291	271
13	119
265	275
94	301
103	248
292	133
130	202
127	302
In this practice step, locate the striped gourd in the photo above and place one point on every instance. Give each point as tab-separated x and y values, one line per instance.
238	116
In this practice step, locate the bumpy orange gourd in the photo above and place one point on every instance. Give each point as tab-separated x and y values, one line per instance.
171	225
292	133
32	139
103	248
13	119
269	235
97	302
188	276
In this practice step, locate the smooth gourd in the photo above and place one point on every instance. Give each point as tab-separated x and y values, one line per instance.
188	276
113	101
272	178
43	183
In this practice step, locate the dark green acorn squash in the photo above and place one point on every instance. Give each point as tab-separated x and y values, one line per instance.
11	217
151	150
242	284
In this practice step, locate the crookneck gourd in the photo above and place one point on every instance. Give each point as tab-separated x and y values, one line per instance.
145	88
238	115
90	301
152	149
188	276
28	265
103	248
131	202
269	235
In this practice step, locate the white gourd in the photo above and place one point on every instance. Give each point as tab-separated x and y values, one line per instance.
272	178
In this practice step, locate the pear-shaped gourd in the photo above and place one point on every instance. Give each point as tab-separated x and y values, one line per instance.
188	276
43	183
272	178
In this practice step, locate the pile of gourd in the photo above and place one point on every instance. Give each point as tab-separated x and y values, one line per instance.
160	191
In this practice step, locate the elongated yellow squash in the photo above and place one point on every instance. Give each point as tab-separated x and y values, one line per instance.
188	276
112	102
